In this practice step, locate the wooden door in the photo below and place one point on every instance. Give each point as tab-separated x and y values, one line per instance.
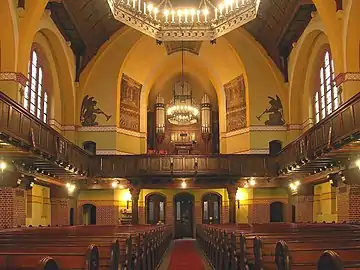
183	208
211	209
155	205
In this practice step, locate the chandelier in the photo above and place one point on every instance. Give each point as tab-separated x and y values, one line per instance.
182	111
165	23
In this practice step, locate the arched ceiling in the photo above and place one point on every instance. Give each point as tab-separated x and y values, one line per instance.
87	24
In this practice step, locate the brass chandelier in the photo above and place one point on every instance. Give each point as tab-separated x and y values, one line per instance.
165	23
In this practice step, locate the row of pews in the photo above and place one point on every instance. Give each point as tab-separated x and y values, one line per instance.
282	246
84	247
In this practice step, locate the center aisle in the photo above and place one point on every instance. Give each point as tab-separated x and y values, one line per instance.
186	255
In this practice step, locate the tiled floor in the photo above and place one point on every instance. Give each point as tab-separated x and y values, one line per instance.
164	265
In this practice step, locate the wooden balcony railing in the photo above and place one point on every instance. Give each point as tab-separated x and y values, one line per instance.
29	131
328	133
184	166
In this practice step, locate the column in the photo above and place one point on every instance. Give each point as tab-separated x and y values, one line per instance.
12	201
348	197
303	202
60	206
232	203
135	205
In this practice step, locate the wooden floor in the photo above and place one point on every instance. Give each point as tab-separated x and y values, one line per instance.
165	264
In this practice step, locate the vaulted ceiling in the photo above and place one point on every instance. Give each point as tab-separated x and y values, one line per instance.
87	24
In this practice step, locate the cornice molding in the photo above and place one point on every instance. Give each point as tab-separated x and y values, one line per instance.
17	77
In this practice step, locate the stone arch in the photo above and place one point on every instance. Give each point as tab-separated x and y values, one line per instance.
63	67
299	76
9	36
352	36
333	29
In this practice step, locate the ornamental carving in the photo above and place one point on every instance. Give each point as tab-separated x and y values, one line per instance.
130	104
235	104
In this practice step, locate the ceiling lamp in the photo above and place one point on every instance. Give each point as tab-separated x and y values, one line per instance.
182	111
164	22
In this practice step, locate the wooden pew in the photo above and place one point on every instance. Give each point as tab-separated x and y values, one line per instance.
305	257
87	259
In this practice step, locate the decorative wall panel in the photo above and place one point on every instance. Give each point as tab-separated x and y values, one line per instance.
235	104
130	104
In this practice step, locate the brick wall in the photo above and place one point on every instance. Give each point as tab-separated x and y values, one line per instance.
348	203
60	211
259	210
304	207
13	207
106	213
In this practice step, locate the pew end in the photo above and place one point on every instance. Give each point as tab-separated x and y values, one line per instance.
330	260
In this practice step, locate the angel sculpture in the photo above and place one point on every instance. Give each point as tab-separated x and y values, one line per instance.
275	111
89	112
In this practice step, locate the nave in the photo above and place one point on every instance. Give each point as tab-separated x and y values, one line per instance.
282	246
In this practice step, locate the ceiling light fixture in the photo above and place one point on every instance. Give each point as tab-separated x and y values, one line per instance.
164	22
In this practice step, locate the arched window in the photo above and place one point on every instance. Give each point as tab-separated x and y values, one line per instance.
35	96
327	98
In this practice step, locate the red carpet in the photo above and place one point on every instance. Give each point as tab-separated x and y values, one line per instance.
184	255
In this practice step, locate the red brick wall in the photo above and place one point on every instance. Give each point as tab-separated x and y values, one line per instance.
348	203
12	206
60	211
105	214
259	210
304	207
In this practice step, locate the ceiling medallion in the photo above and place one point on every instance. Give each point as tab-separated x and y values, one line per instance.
167	23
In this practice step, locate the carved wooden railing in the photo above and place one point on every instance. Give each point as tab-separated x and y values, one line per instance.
183	166
333	131
27	130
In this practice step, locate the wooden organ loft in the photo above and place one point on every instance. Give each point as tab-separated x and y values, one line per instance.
183	127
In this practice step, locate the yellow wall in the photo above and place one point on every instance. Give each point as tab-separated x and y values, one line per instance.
324	208
38	206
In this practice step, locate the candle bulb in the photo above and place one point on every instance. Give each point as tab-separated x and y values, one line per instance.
128	2
179	15
216	13
156	10
139	5
166	13
144	8
134	1
198	16
231	5
227	8
243	2
237	4
206	13
221	9
192	15
186	15
173	16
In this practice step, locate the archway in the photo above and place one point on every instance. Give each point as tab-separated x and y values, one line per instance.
184	215
276	212
89	214
211	205
155	205
71	217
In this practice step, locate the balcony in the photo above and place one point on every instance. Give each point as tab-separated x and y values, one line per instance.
36	147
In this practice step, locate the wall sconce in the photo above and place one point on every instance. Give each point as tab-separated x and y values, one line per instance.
70	188
127	198
3	166
183	184
239	197
294	186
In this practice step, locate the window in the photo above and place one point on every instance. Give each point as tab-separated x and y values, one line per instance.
35	96
327	98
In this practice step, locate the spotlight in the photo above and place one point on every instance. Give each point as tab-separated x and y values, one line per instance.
70	187
183	184
3	165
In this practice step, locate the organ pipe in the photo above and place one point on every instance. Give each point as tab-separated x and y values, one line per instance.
160	115
205	115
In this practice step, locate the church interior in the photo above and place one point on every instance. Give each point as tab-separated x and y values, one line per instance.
142	135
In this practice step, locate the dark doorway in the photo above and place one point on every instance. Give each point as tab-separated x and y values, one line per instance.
276	212
293	212
155	209
183	213
275	147
71	218
211	208
89	214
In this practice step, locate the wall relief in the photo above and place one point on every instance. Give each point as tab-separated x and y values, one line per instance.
235	104
275	113
130	104
90	111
